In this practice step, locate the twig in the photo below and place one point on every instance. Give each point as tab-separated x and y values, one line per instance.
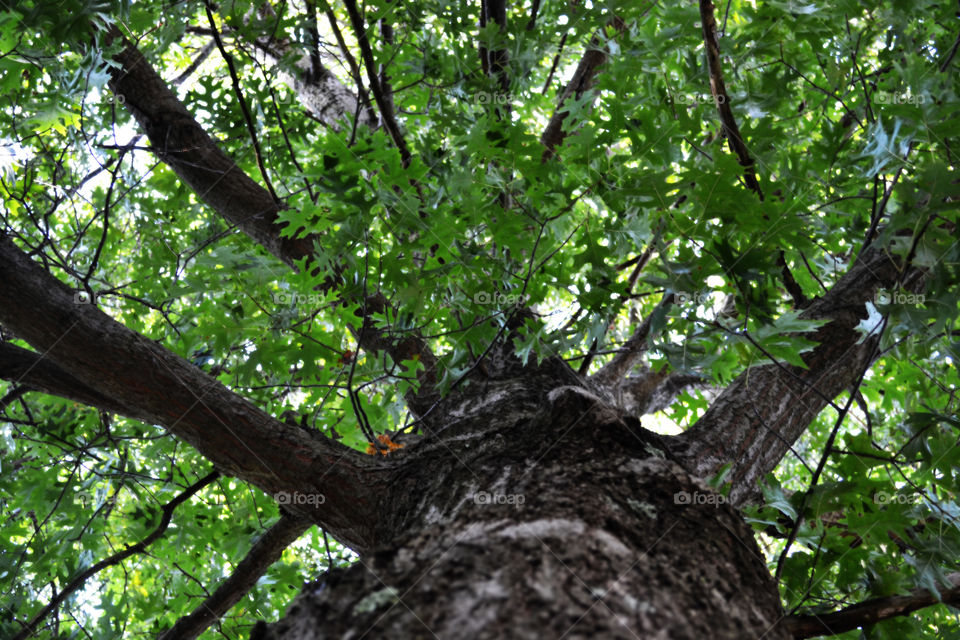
235	79
366	54
167	510
722	99
263	554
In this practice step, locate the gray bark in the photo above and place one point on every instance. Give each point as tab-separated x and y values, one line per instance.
541	512
615	536
318	90
763	412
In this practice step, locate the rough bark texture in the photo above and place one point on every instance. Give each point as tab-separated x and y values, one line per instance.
582	81
532	508
759	416
542	512
180	142
319	91
156	386
37	374
602	543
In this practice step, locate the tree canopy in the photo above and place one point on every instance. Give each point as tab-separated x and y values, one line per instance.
328	216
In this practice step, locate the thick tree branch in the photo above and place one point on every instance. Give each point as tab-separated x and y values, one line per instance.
157	386
182	143
759	416
167	514
640	397
870	611
37	373
614	371
264	552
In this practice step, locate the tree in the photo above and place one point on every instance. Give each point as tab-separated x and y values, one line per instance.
485	320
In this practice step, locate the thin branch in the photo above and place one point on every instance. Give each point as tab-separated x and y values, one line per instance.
106	222
495	61
722	99
235	79
950	56
199	60
31	627
534	10
799	300
316	67
553	67
879	209
355	72
871	611
264	553
366	54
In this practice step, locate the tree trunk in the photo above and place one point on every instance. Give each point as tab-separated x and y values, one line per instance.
539	511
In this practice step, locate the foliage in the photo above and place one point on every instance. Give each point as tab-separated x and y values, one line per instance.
845	110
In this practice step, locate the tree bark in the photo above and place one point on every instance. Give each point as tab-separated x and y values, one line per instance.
38	374
318	89
534	508
540	511
759	416
154	385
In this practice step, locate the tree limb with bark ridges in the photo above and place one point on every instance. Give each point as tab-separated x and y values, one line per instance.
491	321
